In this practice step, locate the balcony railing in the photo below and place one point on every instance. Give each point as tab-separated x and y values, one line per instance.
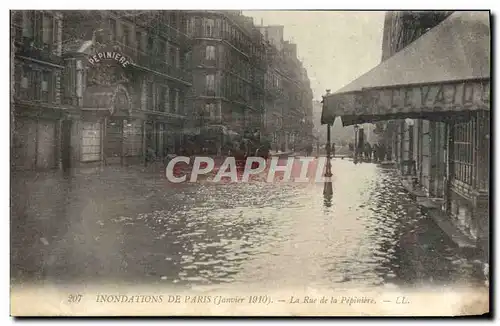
274	92
157	64
153	22
32	47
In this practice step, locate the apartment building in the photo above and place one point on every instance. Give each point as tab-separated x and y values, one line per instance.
36	108
117	87
289	98
126	81
228	72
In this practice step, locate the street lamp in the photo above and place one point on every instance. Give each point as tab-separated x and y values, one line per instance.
328	136
356	128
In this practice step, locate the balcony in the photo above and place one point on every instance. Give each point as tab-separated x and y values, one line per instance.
35	49
152	21
274	92
156	64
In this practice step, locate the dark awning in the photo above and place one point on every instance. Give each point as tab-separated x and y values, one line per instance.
445	71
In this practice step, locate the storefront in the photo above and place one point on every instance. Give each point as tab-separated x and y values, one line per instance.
437	92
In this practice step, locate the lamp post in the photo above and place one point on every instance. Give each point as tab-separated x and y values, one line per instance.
355	160
328	172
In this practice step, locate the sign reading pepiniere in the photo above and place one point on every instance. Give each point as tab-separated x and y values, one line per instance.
120	58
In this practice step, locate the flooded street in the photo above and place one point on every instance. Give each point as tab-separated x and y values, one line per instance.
144	230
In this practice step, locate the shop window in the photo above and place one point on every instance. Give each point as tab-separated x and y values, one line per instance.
91	141
463	152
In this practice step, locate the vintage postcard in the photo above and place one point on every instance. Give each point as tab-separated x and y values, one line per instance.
249	163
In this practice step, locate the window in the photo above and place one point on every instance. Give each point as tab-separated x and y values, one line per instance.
125	35
162	49
172	100
46	78
209	28
211	110
30	84
150	96
463	152
210	53
47	32
210	83
177	58
160	98
28	18
138	40
112	28
190	26
173	56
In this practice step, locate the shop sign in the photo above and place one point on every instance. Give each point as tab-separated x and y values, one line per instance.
472	95
457	96
109	55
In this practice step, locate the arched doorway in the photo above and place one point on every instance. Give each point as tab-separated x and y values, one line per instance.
117	127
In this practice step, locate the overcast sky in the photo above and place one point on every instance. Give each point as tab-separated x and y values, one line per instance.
336	47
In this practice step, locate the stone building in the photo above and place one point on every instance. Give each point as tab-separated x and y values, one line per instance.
36	108
289	98
125	84
228	76
118	87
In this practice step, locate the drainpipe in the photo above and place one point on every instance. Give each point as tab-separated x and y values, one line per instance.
450	127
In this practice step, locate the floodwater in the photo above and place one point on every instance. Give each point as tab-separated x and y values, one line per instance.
136	227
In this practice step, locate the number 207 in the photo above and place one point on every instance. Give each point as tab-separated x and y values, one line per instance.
74	298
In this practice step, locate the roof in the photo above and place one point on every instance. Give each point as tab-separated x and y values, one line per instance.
456	49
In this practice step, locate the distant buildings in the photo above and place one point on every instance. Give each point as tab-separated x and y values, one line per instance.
288	103
116	87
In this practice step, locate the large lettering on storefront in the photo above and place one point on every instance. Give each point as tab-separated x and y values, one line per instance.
109	55
473	95
376	104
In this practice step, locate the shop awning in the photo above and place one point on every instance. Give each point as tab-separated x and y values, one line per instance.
446	71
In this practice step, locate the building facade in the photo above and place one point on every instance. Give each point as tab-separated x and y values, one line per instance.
289	98
228	76
118	87
450	159
36	107
126	81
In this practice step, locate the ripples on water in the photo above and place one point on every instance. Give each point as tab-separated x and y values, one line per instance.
369	233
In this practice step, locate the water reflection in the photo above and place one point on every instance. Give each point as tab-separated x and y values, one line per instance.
143	229
328	194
